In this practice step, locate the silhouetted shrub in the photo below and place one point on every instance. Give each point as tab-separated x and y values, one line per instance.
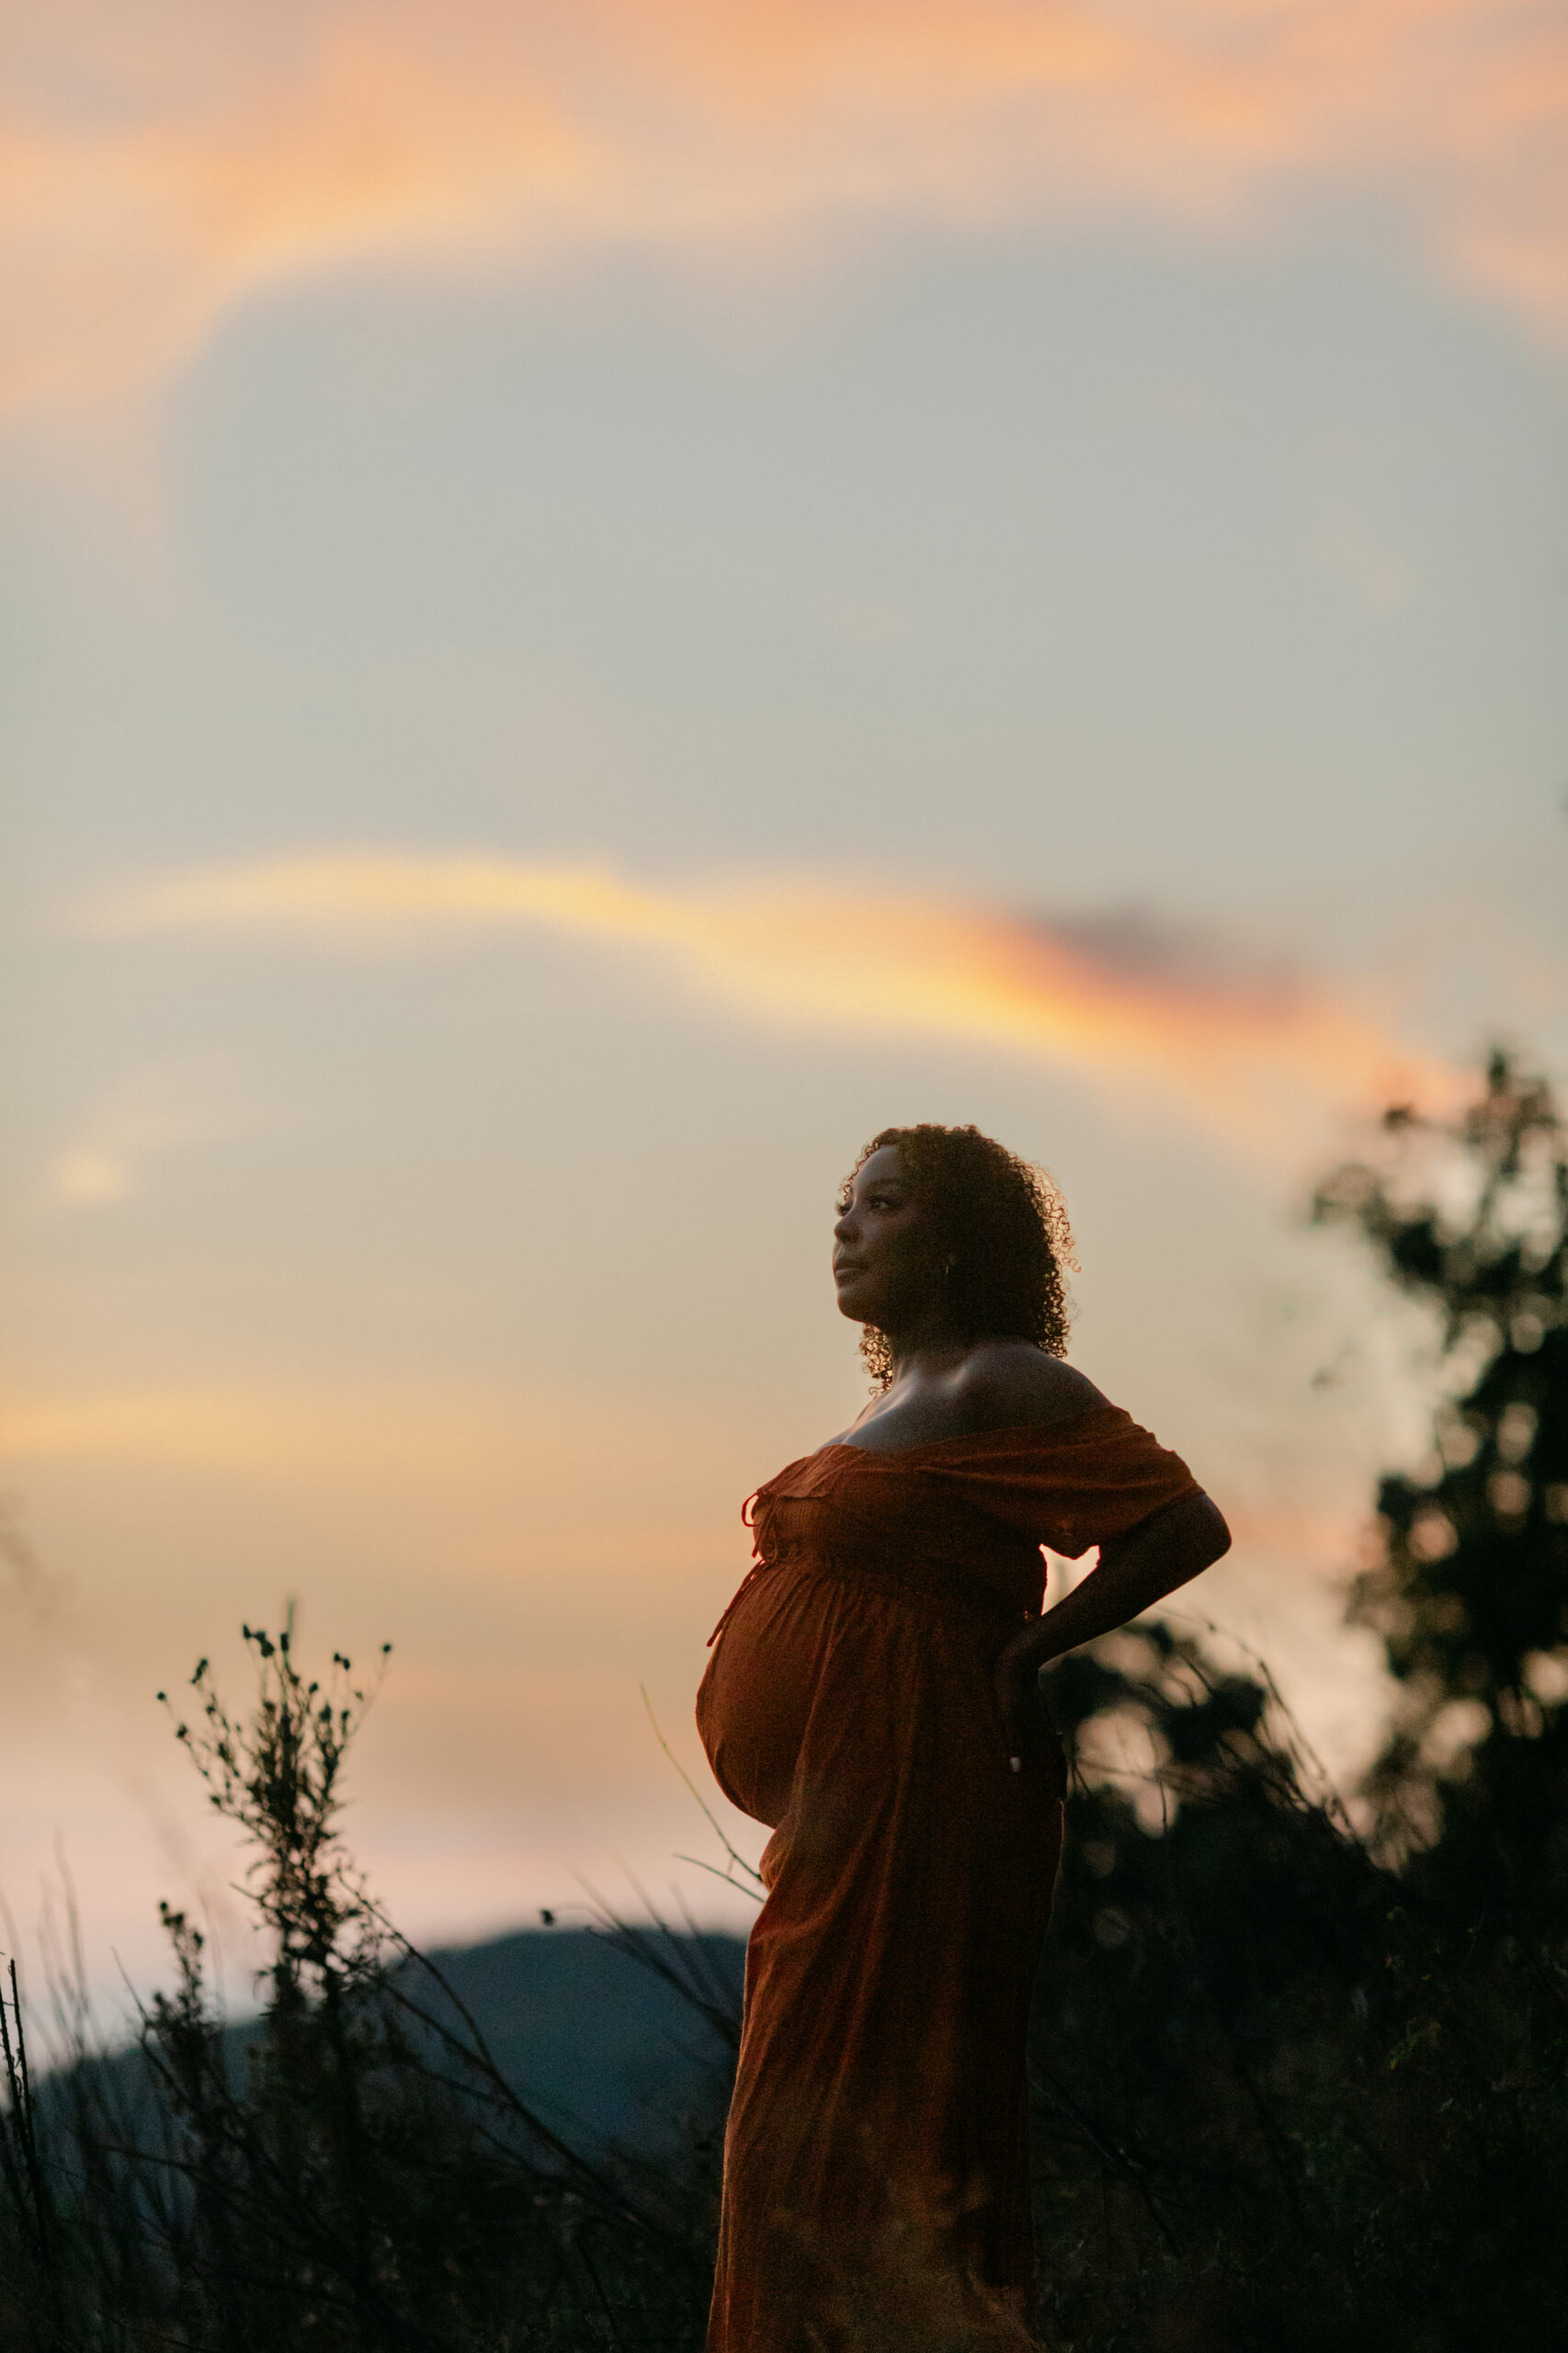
356	2172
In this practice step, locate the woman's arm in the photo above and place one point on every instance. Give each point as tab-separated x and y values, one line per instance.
1168	1550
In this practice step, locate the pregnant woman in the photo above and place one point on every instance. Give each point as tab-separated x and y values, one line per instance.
872	1699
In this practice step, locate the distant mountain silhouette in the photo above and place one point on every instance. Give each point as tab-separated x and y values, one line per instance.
603	2048
599	2045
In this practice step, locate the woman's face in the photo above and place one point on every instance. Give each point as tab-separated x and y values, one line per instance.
887	1254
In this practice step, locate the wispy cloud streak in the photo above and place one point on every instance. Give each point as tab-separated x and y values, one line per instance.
1245	1047
161	1108
159	168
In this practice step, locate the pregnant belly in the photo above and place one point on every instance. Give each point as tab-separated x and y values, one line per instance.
842	1657
756	1700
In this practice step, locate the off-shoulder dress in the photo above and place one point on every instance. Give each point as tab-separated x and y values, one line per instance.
876	2167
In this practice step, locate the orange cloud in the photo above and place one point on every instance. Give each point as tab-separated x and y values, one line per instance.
157	167
470	1463
1118	998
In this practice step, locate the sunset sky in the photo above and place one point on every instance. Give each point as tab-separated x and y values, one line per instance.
600	602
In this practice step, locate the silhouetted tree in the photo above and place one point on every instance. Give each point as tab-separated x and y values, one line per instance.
1469	1593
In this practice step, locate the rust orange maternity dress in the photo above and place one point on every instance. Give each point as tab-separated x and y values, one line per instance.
876	2166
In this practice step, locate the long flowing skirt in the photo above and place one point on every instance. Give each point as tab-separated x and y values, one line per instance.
875	2173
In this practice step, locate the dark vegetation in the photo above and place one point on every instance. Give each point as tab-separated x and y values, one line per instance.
1297	2084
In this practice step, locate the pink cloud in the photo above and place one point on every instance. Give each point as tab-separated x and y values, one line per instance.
159	166
1249	1048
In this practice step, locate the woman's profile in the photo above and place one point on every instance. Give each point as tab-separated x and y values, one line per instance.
872	1699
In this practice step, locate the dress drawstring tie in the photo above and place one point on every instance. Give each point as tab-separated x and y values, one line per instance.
748	1519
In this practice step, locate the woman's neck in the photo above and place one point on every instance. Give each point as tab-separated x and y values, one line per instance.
926	1348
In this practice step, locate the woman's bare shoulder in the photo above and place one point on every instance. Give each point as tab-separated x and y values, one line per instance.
1005	1382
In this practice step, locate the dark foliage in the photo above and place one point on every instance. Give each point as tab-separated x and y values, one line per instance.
1280	2100
357	2174
1471	1593
1293	2088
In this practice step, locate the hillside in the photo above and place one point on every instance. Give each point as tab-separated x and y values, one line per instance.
602	2047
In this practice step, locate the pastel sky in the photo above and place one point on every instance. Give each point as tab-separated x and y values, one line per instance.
601	602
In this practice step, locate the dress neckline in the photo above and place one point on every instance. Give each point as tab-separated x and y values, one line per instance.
961	1438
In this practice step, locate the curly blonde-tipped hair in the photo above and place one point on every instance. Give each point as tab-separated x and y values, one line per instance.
1004	1225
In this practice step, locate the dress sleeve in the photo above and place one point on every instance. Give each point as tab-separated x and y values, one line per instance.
1072	1484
